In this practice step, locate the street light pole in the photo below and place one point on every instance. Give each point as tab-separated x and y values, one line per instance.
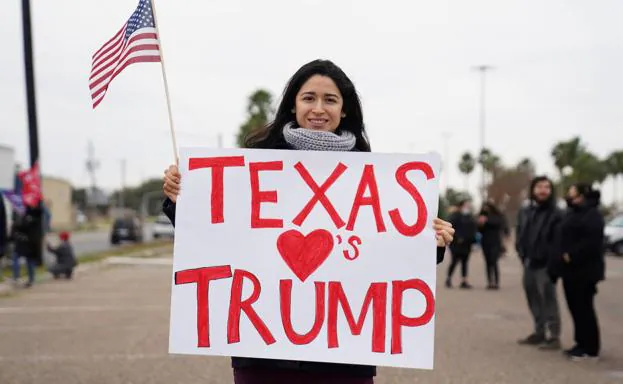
30	84
482	69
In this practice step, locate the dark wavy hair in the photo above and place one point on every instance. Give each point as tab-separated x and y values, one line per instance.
271	135
592	196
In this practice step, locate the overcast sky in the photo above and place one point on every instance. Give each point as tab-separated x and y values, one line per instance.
558	73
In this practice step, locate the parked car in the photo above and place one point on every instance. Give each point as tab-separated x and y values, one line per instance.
126	229
614	235
163	227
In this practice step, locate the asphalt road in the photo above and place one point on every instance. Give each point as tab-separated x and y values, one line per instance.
87	242
110	326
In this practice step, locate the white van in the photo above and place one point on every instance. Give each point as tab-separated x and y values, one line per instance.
613	233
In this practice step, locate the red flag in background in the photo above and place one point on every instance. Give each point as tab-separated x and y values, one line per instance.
31	186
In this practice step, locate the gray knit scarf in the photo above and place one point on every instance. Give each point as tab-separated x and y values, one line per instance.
311	140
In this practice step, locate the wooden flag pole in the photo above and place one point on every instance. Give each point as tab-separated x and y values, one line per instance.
166	83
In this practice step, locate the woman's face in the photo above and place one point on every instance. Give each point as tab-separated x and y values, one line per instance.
574	196
318	104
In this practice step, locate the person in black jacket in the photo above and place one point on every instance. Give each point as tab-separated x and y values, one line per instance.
24	236
320	110
464	238
492	225
583	266
538	246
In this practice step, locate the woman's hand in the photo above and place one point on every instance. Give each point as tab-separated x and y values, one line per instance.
171	185
444	232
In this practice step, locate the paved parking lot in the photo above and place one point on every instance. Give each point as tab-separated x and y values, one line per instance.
110	326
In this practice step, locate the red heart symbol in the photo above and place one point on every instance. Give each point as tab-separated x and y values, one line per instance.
305	254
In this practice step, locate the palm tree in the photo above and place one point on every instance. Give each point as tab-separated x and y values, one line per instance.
466	166
588	168
491	164
259	110
614	163
565	154
526	166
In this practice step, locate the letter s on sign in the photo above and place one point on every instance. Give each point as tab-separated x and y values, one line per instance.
422	211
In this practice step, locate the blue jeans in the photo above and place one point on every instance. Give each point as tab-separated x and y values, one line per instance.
30	266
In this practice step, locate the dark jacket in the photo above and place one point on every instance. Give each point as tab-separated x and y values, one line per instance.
583	240
23	235
491	232
465	228
322	368
64	253
538	231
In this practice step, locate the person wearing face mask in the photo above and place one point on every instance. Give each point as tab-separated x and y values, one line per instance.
538	247
583	267
319	111
465	228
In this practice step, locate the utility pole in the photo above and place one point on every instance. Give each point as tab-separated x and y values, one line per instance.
30	84
33	137
482	69
446	158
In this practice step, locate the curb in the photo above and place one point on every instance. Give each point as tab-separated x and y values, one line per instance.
7	288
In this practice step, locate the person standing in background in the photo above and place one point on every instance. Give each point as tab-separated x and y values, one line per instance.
464	225
491	225
583	267
538	247
22	235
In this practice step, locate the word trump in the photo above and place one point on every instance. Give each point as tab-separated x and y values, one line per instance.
367	193
330	297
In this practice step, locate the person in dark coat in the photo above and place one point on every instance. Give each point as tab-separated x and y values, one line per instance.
491	224
583	267
23	235
320	110
538	246
65	258
465	228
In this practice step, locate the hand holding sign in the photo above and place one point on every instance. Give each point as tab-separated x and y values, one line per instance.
444	232
172	180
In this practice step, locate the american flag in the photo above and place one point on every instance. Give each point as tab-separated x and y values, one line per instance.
136	42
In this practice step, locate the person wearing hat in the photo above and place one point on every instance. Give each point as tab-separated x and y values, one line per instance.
65	258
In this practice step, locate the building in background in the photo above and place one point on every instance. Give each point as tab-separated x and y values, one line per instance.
57	198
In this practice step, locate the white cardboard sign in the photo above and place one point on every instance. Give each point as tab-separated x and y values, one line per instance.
308	256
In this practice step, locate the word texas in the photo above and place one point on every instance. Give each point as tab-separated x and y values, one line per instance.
367	193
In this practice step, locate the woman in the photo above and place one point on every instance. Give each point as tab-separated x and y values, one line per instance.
320	110
582	267
465	226
491	225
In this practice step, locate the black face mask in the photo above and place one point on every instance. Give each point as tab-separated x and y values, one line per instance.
569	201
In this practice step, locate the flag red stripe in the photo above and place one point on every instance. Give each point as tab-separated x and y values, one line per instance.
134	60
122	30
142	47
119	52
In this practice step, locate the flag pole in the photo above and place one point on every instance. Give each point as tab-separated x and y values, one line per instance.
166	83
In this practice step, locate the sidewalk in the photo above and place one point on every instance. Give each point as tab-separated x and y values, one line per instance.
111	326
